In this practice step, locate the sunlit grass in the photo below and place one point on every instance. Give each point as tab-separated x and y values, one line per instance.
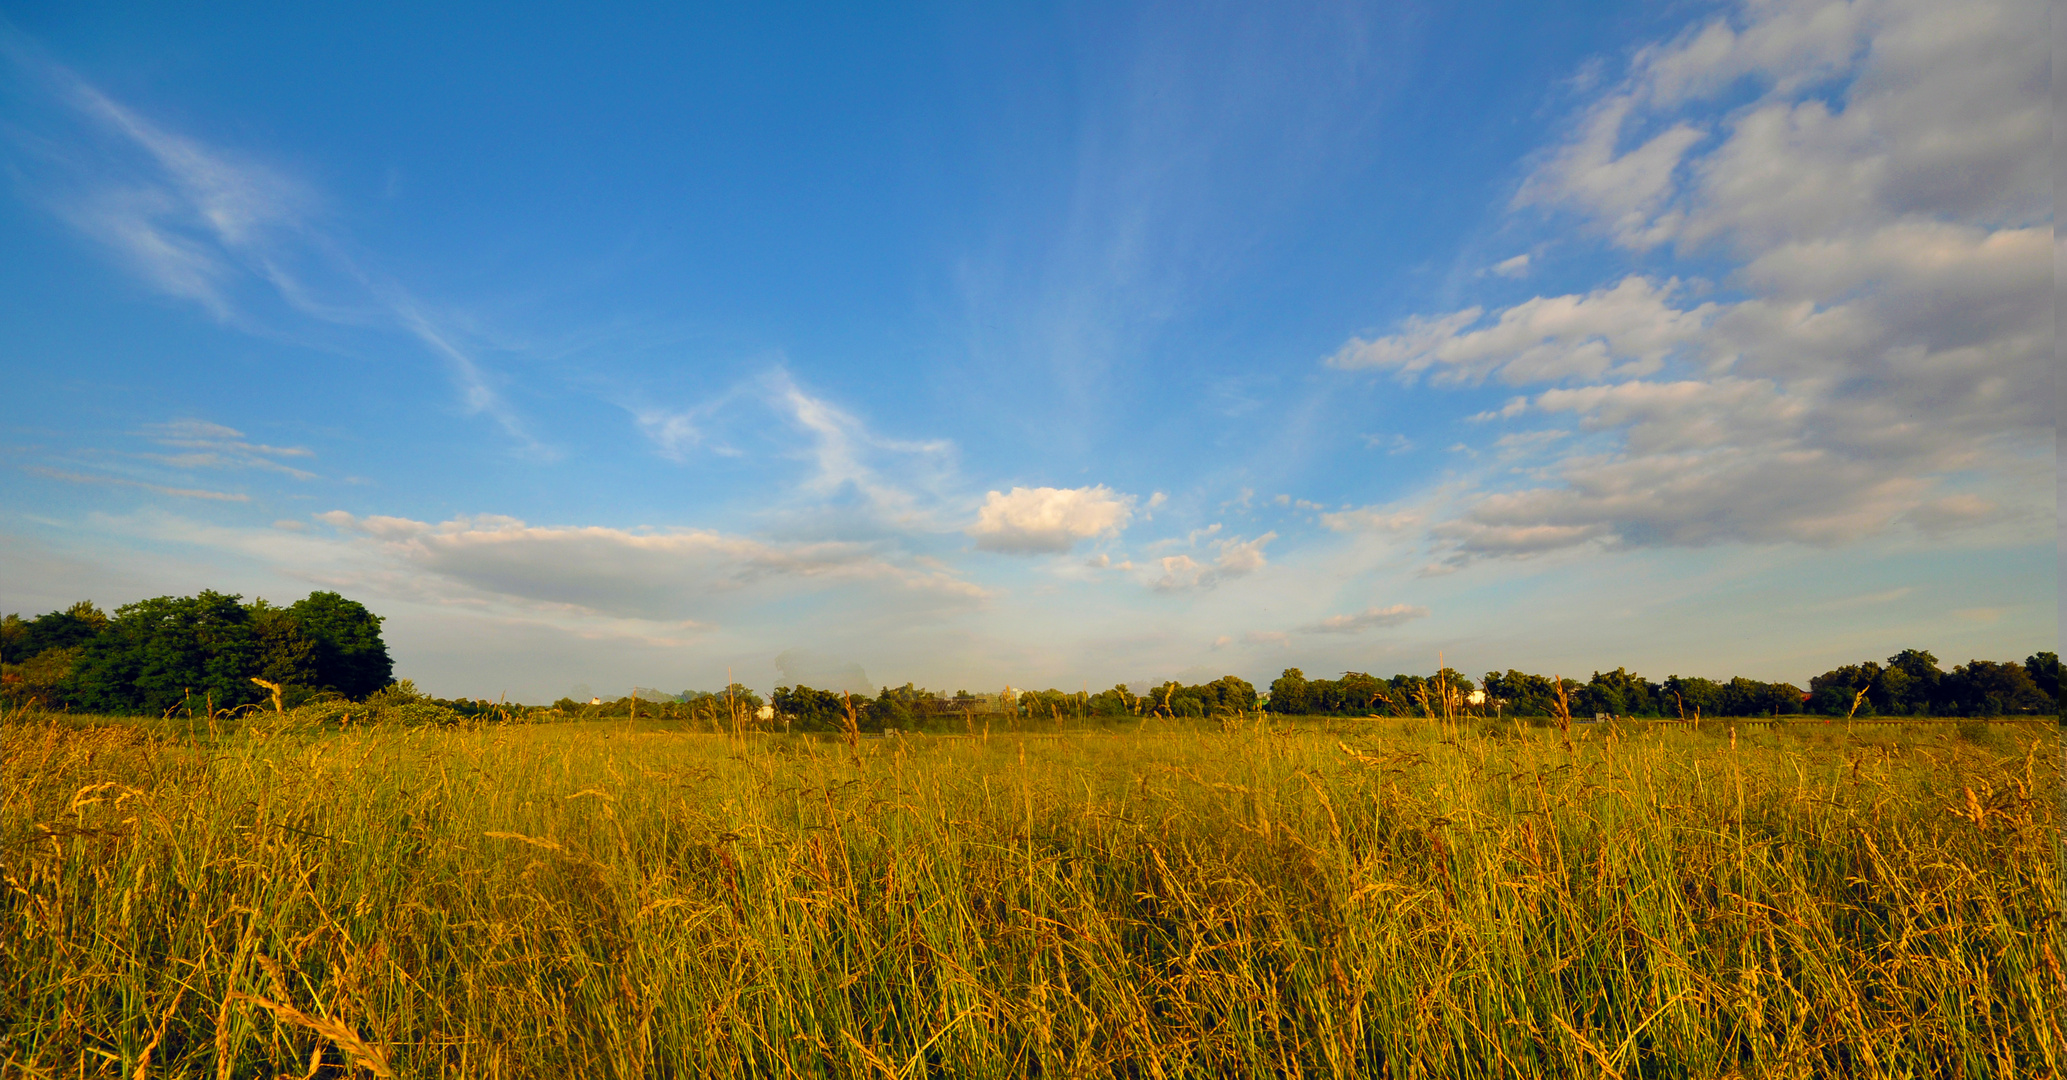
1386	898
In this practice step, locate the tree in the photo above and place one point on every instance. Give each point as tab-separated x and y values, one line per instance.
1518	693
1617	693
1288	693
742	699
2044	669
1691	697
1750	697
65	629
1986	688
1118	701
1836	692
286	653
350	656
14	635
1228	694
39	653
157	653
1908	686
807	709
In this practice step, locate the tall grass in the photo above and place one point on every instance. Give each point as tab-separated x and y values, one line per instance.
1391	900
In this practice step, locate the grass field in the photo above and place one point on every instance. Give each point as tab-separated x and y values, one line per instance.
1383	898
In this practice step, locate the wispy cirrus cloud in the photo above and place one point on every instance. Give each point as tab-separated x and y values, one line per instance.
70	477
1232	557
847	454
219	228
1369	618
204	445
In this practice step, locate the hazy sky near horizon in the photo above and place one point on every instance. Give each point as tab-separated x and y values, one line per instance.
1057	345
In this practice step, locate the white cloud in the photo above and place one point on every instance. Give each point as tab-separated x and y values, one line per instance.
847	456
1627	329
1233	557
1517	267
1394	615
1028	521
1372	520
663	574
1883	197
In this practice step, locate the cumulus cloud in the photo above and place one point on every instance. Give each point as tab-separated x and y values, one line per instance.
1366	619
1882	201
1046	520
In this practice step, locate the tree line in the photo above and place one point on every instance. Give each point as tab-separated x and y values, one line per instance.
1910	684
914	708
213	650
205	651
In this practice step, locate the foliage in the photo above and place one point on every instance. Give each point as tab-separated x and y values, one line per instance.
1357	693
1909	684
2044	669
192	653
1912	684
351	658
803	709
166	652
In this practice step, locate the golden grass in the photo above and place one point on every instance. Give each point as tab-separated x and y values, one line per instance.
1390	899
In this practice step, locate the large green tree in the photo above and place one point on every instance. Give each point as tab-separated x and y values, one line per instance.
2044	669
350	656
286	653
1288	693
1986	688
164	652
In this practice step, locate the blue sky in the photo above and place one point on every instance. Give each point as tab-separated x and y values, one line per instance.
1057	345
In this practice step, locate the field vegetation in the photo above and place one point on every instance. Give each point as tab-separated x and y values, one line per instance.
290	893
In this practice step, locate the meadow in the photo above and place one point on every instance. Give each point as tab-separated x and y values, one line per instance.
1400	898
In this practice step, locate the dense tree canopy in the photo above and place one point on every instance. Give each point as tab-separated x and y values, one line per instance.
1909	683
350	656
1912	684
179	651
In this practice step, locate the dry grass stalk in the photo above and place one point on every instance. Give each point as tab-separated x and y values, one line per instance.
1272	899
361	1053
